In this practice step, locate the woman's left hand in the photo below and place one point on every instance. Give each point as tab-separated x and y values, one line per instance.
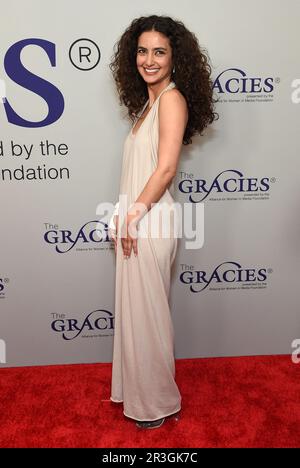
129	235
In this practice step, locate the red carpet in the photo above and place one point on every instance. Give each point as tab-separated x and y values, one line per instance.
226	402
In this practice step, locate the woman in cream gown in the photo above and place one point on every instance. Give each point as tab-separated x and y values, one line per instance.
143	372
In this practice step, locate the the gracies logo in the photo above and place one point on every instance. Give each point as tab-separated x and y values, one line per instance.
235	80
64	240
99	320
226	272
17	72
229	181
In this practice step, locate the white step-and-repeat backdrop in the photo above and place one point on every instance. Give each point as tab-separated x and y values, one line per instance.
61	140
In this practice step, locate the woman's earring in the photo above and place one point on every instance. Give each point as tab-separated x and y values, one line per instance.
173	69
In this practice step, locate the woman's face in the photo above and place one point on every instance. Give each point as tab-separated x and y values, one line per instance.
154	52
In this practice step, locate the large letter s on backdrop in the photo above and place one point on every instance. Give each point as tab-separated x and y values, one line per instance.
20	75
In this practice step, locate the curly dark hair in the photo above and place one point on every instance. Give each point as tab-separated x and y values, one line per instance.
192	71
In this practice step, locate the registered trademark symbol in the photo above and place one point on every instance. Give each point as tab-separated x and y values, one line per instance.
269	270
6	280
273	179
84	54
277	80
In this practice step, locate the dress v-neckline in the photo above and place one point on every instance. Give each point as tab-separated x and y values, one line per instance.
134	125
134	134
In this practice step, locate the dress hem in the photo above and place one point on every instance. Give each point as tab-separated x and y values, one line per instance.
159	417
116	401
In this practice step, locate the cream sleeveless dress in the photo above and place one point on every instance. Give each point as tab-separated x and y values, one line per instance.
143	369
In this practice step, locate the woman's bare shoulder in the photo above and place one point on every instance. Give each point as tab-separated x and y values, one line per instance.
173	100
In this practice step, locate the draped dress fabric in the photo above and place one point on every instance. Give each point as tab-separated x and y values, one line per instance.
143	369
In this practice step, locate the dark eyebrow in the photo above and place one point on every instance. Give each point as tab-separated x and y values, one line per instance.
155	48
